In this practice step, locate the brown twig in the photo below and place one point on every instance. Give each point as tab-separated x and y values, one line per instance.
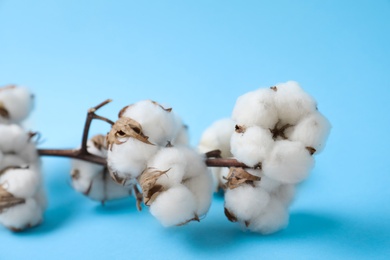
83	154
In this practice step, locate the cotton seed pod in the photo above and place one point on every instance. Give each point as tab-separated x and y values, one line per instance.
288	162
245	203
273	218
256	108
129	150
313	131
15	104
251	145
292	103
21	216
93	180
160	124
217	137
22	182
175	206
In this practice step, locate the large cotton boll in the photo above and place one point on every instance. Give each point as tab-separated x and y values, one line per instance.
312	131
128	160
217	137
22	216
273	218
292	102
175	206
21	182
288	162
12	138
17	102
251	145
256	108
246	202
160	124
202	188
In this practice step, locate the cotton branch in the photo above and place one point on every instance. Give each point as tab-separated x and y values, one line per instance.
213	157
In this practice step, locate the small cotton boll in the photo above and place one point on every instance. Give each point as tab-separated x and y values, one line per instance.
273	218
202	188
288	162
175	206
312	131
17	102
292	103
21	182
129	159
12	138
217	137
246	202
160	124
256	108
251	145
83	173
22	216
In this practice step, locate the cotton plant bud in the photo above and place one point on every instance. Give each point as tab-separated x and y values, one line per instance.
160	124
245	203
22	198
217	137
256	108
292	103
273	218
129	149
172	172
15	104
288	162
93	180
313	131
251	145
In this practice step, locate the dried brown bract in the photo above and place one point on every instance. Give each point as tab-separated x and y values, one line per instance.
7	200
3	111
126	127
166	109
230	216
150	189
238	176
99	141
240	129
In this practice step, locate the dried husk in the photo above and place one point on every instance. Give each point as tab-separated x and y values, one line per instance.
7	200
238	177
99	141
279	131
166	109
150	189
126	127
3	111
240	129
231	217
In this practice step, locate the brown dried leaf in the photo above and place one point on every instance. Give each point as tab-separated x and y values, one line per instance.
123	110
3	111
150	189
117	179
240	129
238	176
166	109
311	150
99	141
195	218
7	200
126	127
231	217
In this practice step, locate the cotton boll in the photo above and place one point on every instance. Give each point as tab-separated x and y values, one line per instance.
202	188
292	103
251	145
288	162
246	202
15	103
256	108
217	137
83	174
175	206
273	218
160	124
128	160
12	138
312	131
21	182
22	216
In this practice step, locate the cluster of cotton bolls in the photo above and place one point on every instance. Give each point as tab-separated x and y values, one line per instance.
148	145
93	180
277	131
22	198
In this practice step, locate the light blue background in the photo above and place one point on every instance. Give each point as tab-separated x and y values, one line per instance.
199	56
